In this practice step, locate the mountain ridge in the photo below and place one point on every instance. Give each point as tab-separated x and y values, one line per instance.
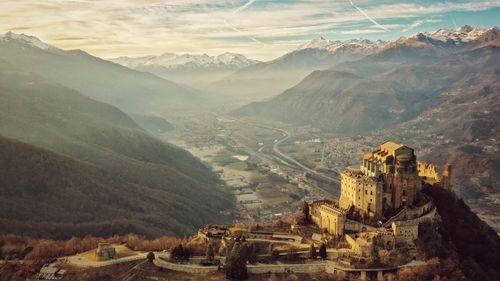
109	156
130	90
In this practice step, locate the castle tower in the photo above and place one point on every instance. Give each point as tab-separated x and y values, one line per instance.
446	179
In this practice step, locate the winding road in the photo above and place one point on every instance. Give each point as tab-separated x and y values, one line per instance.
277	151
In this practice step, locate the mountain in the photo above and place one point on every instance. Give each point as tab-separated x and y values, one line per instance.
130	90
186	62
425	46
70	165
459	235
266	79
445	103
385	89
153	124
193	70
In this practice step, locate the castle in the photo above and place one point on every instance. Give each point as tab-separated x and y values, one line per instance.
390	178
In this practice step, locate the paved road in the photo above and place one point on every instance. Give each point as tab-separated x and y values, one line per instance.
286	136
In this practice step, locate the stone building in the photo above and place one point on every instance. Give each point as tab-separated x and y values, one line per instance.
360	191
429	174
105	252
328	216
388	178
363	244
405	230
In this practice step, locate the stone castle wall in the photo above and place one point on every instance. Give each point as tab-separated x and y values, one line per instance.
187	268
357	226
429	171
287	268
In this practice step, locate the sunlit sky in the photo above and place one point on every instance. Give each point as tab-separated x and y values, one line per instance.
259	29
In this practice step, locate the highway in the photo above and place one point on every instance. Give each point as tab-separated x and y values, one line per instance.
277	151
278	156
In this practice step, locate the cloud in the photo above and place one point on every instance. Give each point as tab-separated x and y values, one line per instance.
418	23
368	17
144	27
250	2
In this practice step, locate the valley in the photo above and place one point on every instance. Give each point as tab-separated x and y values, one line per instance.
317	159
283	156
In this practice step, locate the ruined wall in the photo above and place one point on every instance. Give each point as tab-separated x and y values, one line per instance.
429	171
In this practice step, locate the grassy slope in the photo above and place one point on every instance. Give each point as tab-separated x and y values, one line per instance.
166	190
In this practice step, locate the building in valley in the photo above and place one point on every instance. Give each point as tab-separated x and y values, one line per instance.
105	251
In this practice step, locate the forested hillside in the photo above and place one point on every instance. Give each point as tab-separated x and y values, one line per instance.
86	167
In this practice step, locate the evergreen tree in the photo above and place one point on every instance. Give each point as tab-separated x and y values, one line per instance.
177	253
312	252
236	268
209	253
252	253
275	254
150	256
270	249
322	251
305	211
244	251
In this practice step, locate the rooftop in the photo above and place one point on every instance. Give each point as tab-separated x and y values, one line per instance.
390	146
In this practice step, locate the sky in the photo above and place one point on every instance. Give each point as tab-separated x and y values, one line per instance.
259	29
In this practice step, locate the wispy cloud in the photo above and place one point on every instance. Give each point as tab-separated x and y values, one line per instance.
258	28
368	17
418	23
250	2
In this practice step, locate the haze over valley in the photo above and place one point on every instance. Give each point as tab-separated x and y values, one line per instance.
259	140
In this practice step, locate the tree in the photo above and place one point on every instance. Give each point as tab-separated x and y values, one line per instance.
236	267
150	256
322	251
306	212
209	254
252	253
244	251
178	253
292	254
312	252
270	249
275	254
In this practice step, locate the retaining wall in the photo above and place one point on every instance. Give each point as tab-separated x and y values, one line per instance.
188	268
287	268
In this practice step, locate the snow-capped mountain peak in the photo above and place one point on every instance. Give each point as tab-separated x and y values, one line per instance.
26	39
359	45
174	61
319	43
465	33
